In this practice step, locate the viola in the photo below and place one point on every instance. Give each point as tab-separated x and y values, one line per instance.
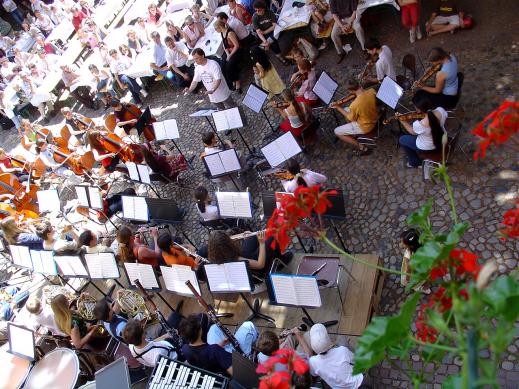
134	112
24	197
414	115
127	152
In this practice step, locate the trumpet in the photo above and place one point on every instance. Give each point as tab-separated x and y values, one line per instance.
245	235
191	253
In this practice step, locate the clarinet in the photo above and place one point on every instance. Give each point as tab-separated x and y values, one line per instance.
212	316
177	339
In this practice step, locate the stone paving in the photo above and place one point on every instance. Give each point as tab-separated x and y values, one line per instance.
379	192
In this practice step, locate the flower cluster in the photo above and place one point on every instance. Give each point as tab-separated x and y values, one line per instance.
280	368
511	223
499	126
464	263
292	209
438	301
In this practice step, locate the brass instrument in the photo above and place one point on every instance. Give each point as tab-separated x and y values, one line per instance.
132	303
428	74
85	307
245	235
345	100
406	116
51	291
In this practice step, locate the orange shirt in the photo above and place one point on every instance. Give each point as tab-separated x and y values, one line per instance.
174	259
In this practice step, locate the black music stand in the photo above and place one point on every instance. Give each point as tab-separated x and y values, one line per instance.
168	130
138	172
238	280
223	164
304	294
336	212
230	119
143	121
255	99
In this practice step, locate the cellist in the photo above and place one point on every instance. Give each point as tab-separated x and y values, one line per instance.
108	160
126	116
46	156
7	167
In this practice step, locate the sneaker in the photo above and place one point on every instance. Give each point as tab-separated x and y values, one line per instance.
144	93
412	36
347	48
324	45
418	33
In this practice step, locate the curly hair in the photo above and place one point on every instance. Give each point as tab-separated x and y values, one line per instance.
221	248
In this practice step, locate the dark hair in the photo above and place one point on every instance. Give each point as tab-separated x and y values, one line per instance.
437	54
168	39
289	97
304	64
258	55
422	102
353	84
268	342
85	238
294	168
436	130
303	381
43	229
201	194
411	238
259	4
222	15
115	103
372	43
102	310
93	141
198	51
112	51
208	137
132	332
164	242
150	159
221	249
190	327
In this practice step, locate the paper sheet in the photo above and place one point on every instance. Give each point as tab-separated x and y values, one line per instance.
96	199
202	113
48	200
37	263
296	290
234	204
284	289
216	278
132	171
255	98
307	291
230	160
142	272
237	276
214	164
144	174
135	208
281	149
175	278
71	266
49	266
390	92
21	341
21	256
325	87
167	129
228	119
102	266
82	197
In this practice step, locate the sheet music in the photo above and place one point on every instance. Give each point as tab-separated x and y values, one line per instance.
281	149
234	204
390	92
227	119
142	272
21	341
48	200
166	129
102	266
37	263
21	256
307	291
202	113
230	160
144	174
135	208
71	266
325	87
132	171
237	276
284	290
214	164
296	290
272	154
82	196
175	278
255	98
96	199
47	260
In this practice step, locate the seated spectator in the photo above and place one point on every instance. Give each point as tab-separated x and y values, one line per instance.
77	17
128	52
6	69
47	47
302	177
334	364
44	23
57	15
29	85
154	15
192	32
264	22
425	134
233	55
86	8
199	16
159	64
265	74
142	30
362	115
244	36
173	31
118	66
177	56
11	7
134	42
87	39
239	12
445	18
103	84
6	29
296	116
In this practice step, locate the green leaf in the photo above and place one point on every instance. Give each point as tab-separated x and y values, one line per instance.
453	382
502	295
424	260
383	333
421	216
455	235
436	320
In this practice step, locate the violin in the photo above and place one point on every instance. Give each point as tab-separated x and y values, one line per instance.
283	175
133	112
415	115
297	81
24	196
372	60
428	74
345	100
127	152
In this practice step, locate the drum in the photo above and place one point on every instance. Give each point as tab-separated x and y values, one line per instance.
88	385
59	369
14	369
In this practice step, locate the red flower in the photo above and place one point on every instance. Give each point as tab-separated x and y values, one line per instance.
465	262
278	380
497	127
290	358
511	223
268	366
424	332
438	272
464	294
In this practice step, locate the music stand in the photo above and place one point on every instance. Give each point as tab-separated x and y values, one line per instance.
72	266
233	277
336	212
244	371
21	341
206	113
91	197
145	274
390	92
175	277
234	204
43	262
143	121
102	266
296	291
325	87
135	208
230	119
21	256
48	201
281	149
255	99
223	164
114	376
168	130
140	173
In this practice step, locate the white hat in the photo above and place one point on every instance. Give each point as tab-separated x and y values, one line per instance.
319	339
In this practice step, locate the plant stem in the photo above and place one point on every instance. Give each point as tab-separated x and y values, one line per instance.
355	259
434	345
446	179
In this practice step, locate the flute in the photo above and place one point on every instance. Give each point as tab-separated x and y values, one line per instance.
189	252
245	234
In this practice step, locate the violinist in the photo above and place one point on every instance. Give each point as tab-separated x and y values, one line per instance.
305	73
7	167
46	156
174	255
302	177
296	115
132	249
382	57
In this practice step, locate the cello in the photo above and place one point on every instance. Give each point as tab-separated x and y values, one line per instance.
127	151
74	161
35	169
24	196
134	112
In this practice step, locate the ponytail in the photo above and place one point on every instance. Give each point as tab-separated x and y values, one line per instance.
294	168
201	195
436	130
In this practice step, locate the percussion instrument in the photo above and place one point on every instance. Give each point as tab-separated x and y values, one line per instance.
171	373
59	369
14	369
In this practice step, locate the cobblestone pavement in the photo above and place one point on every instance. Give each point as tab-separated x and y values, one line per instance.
379	191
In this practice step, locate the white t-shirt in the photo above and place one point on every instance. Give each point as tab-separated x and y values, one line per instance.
335	368
158	348
385	65
209	74
7	70
120	65
424	140
45	319
178	56
44	23
311	178
211	213
238	27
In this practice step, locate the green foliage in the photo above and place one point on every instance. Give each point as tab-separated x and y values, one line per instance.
502	296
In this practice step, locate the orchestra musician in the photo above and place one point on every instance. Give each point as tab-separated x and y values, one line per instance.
362	115
132	248
40	314
58	244
47	158
207	210
306	73
126	118
296	116
170	166
302	177
28	135
445	90
18	234
109	161
269	343
6	166
89	242
382	57
174	255
77	124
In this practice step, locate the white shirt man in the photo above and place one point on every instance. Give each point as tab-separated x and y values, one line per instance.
210	73
178	56
44	23
6	69
384	65
149	354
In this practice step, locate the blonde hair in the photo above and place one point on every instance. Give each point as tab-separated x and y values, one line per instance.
10	229
219	24
195	6
62	313
33	305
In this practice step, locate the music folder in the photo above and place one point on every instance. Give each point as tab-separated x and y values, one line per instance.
43	262
281	149
21	341
255	98
234	204
229	277
21	256
175	277
135	208
144	273
222	163
390	92
71	266
295	290
166	129
325	87
102	266
138	172
89	197
143	120
48	200
228	119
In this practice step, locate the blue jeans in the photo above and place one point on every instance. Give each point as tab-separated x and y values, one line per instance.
246	336
18	16
133	86
408	142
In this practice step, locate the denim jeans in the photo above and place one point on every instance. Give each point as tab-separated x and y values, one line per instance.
17	16
246	336
408	142
133	86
